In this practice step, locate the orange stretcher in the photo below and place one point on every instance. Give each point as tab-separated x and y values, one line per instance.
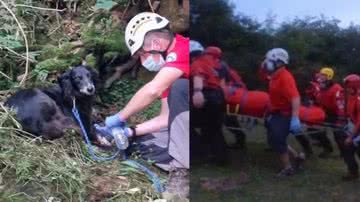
250	103
256	103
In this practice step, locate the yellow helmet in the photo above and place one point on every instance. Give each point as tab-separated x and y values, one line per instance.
328	72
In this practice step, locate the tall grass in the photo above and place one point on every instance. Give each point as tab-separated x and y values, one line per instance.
32	169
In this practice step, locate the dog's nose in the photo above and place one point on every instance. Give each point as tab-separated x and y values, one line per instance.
90	89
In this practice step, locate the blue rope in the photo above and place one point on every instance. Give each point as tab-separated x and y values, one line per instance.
88	143
152	176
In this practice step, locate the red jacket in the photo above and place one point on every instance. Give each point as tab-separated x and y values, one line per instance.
204	66
282	89
353	111
331	100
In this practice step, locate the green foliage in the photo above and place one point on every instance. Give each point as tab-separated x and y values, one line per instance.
104	36
64	52
104	4
35	165
55	64
55	59
90	60
10	41
5	84
61	170
109	55
122	91
7	22
121	2
152	110
320	181
34	169
312	42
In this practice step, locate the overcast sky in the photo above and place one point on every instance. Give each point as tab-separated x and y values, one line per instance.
345	10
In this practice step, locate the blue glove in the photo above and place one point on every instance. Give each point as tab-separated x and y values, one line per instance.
104	132
114	121
295	125
356	140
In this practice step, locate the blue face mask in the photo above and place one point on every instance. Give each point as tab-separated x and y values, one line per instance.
150	64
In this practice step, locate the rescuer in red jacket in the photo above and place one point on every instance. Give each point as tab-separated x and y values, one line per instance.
284	106
208	104
330	98
350	141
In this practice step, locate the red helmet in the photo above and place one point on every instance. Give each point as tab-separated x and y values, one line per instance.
352	81
213	50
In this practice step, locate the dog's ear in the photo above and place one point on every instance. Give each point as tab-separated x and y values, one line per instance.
66	86
94	76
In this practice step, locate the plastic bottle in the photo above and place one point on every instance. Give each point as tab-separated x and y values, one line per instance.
120	137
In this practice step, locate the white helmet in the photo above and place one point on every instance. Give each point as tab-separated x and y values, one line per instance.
195	46
139	25
277	54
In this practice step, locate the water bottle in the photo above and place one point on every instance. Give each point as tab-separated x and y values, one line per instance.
120	137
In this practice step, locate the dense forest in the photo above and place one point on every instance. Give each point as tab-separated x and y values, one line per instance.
312	42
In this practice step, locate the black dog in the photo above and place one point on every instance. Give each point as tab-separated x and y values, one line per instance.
47	112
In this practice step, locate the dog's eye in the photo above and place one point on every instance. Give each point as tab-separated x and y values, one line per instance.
88	75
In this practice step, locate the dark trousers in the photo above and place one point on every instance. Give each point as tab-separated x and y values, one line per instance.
321	137
278	127
169	147
231	121
348	152
209	119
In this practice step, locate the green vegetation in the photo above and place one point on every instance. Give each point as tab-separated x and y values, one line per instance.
320	181
62	170
312	42
34	169
122	91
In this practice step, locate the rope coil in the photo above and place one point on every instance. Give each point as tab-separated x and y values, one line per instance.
152	176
